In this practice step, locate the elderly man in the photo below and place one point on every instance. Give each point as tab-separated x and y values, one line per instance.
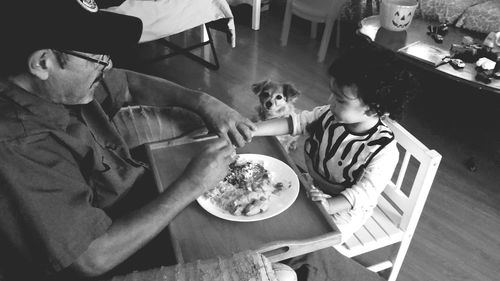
64	166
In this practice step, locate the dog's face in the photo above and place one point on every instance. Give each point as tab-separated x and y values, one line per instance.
276	99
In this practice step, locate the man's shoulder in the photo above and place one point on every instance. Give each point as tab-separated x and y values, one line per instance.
17	123
11	120
23	114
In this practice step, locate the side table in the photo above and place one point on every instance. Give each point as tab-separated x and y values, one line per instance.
371	29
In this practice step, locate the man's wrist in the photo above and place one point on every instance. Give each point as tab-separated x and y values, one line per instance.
205	102
189	186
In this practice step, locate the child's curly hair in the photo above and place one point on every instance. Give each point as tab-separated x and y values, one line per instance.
383	84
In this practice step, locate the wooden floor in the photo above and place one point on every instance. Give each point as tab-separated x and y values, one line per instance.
458	236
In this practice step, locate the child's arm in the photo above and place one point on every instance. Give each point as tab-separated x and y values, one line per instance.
332	204
274	127
294	124
338	204
365	192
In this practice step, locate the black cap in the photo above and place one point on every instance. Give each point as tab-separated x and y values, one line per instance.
30	25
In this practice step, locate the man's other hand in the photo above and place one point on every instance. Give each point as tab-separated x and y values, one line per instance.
211	165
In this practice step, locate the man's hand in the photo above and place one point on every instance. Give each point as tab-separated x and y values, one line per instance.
228	123
210	166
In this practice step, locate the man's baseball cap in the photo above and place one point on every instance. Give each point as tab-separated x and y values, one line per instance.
79	25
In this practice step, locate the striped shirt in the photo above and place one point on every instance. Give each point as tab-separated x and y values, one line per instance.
357	165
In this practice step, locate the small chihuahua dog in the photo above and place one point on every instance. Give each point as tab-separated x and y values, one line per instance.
277	100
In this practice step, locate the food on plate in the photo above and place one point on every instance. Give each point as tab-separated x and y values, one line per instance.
247	189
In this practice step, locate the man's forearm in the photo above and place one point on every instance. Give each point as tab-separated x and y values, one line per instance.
218	117
130	233
154	91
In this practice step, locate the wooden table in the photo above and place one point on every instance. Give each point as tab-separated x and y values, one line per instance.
395	40
302	228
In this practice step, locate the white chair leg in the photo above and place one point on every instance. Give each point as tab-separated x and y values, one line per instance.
327	34
256	14
287	20
397	262
205	53
314	30
204	33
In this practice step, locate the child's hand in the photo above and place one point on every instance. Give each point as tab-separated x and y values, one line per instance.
317	195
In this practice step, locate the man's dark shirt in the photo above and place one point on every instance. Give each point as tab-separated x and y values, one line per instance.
61	169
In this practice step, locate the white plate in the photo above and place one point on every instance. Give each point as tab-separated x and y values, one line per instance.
278	203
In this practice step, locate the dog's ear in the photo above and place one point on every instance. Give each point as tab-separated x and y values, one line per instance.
257	87
290	92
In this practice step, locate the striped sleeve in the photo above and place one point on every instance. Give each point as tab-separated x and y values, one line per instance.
365	192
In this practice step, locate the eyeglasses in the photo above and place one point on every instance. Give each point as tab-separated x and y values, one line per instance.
103	60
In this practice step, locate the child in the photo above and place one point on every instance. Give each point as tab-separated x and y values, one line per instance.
350	153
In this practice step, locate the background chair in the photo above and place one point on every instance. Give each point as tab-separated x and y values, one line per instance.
256	9
398	211
316	11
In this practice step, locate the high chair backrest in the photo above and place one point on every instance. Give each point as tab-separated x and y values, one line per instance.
399	207
409	196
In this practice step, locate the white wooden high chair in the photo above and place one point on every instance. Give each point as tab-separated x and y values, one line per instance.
398	211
